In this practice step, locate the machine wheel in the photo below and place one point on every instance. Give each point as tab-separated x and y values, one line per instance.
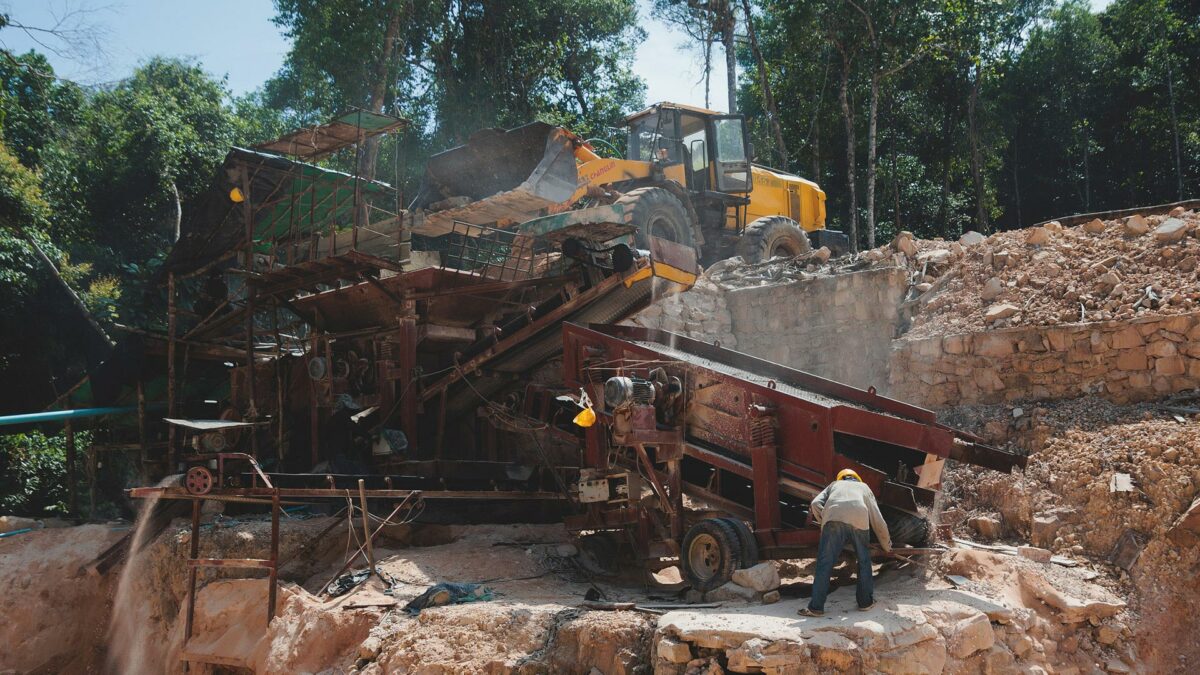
199	480
906	528
657	212
771	237
748	544
711	552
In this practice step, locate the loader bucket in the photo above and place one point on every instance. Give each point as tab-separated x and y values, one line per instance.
498	178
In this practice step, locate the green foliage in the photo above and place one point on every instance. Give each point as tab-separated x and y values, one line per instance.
165	128
462	66
1076	110
33	469
21	204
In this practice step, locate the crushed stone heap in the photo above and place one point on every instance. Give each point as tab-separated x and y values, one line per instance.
1113	484
1050	275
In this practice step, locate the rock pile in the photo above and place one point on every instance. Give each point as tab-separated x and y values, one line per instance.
1051	274
1108	483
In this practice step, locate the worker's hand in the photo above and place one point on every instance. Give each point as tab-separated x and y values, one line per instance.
887	550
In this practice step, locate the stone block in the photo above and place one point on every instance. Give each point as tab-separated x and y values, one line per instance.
1161	348
1000	311
1140	380
992	344
1034	553
762	577
1045	528
1171	230
1170	365
1136	225
1180	323
987	526
923	658
1132	360
731	592
1126	338
987	380
674	651
955	344
1060	340
971	238
971	635
1094	226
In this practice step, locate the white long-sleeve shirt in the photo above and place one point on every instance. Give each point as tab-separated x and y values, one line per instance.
853	503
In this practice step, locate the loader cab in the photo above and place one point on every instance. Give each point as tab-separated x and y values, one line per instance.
712	146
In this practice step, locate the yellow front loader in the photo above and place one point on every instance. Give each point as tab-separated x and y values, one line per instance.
686	177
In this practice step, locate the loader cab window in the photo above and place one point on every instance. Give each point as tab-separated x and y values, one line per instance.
694	131
652	136
733	164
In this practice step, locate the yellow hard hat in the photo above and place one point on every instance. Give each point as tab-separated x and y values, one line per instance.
585	418
849	473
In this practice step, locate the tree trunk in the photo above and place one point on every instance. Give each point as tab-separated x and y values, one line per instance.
1175	130
1087	173
943	216
871	127
848	118
816	158
707	71
768	97
379	88
728	23
981	216
1017	184
62	283
178	211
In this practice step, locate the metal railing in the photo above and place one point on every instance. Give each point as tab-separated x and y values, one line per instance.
500	255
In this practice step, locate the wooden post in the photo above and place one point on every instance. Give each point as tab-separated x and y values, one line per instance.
192	569
92	470
272	590
143	450
362	499
72	505
248	218
172	454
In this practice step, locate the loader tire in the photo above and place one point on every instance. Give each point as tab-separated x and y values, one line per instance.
657	212
746	540
906	528
710	553
771	237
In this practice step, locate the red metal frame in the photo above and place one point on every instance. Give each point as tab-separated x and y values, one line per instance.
781	430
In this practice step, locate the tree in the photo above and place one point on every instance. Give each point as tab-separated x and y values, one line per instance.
980	35
898	33
458	66
704	21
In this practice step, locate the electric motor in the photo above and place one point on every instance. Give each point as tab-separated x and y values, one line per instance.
620	392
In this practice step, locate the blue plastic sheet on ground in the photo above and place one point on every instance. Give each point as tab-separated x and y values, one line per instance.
449	594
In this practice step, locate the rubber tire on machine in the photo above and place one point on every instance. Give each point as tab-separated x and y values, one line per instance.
906	528
722	557
772	236
749	545
656	211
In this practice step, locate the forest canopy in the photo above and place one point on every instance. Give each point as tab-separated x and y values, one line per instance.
936	116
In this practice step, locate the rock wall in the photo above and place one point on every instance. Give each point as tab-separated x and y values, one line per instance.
838	326
1123	361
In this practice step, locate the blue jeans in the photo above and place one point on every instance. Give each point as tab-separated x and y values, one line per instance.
834	536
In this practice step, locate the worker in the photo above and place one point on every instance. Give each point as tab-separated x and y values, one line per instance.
846	511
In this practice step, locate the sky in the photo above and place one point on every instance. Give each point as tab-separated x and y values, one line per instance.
236	39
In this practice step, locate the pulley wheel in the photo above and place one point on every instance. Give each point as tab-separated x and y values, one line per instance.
198	481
